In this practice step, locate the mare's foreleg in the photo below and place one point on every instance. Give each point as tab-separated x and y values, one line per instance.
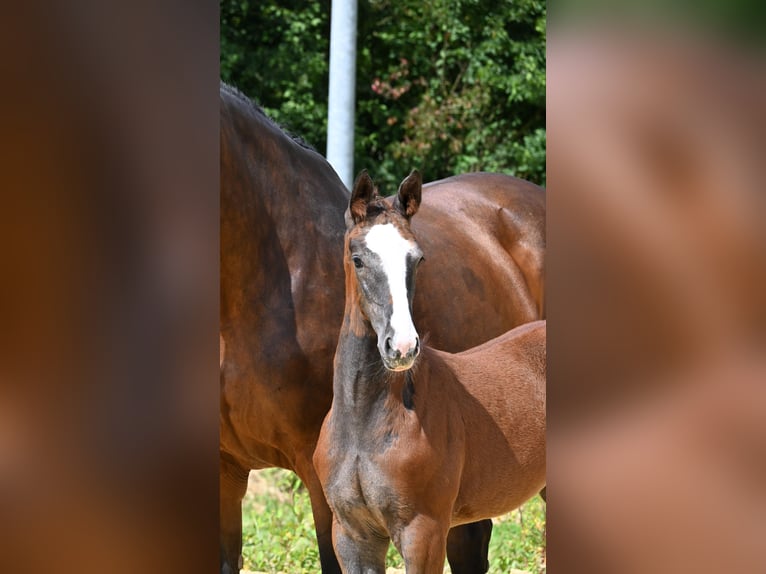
233	484
323	520
468	547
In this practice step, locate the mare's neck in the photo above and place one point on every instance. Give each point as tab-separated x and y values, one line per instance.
306	195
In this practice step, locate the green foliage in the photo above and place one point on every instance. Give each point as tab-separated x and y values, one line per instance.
447	86
278	532
451	86
277	53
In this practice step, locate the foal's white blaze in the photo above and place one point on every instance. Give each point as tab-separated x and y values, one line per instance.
386	241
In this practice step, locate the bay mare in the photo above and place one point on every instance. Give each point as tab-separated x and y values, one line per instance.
282	301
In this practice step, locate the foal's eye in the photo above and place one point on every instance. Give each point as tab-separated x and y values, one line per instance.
357	262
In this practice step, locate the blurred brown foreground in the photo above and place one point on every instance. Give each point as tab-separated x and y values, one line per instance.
657	290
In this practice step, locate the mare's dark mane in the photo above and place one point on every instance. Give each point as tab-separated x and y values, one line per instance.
254	108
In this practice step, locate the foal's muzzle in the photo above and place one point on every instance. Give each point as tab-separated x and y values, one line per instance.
401	355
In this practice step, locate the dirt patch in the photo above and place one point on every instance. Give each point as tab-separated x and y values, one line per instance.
260	486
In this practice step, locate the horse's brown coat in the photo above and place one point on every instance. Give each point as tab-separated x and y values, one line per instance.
282	293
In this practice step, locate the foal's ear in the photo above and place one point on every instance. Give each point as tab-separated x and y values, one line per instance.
408	198
363	192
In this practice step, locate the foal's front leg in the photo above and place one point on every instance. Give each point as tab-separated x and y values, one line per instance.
423	545
359	553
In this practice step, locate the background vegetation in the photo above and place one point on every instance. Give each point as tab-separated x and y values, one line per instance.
447	86
278	531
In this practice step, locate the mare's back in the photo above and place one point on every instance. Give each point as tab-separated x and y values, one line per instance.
485	233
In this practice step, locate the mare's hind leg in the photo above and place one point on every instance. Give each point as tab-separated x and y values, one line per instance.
468	547
360	553
233	484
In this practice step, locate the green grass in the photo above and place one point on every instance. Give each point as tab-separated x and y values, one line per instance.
278	532
518	539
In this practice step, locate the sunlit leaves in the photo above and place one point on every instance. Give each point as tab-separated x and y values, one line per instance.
446	86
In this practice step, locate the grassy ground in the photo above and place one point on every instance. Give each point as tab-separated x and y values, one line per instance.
278	531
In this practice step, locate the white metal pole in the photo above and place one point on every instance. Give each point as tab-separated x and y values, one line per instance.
341	101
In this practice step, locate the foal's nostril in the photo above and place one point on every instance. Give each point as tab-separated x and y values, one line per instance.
389	346
417	346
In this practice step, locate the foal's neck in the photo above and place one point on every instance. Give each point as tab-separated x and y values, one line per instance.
360	380
362	386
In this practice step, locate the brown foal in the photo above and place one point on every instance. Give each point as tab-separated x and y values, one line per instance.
419	440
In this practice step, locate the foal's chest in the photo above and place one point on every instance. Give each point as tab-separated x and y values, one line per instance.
362	490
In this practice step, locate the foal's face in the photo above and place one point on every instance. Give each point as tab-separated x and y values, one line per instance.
384	258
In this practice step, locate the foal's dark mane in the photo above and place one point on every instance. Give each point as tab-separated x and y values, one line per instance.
258	110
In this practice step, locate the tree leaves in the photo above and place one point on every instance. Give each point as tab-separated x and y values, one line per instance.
445	86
